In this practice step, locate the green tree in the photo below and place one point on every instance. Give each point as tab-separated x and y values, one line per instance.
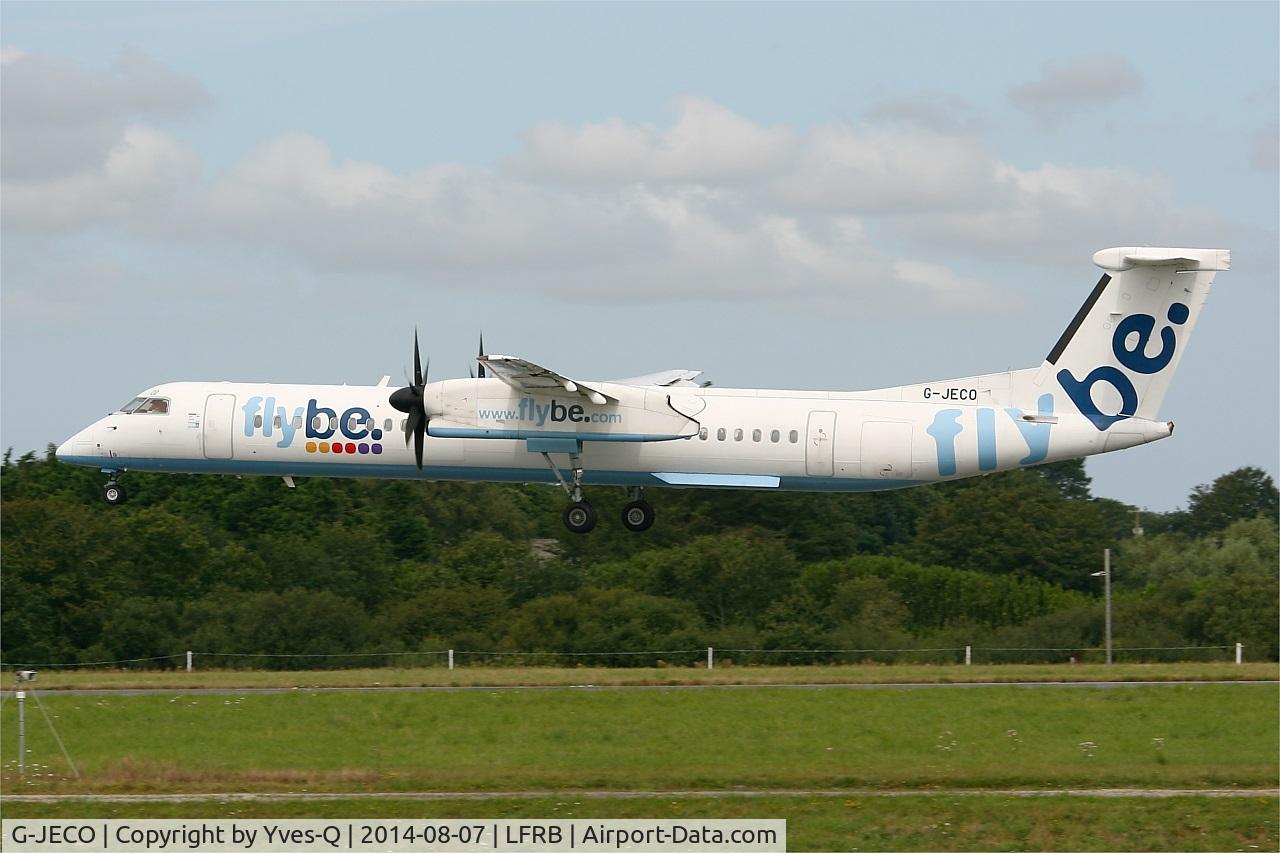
1240	494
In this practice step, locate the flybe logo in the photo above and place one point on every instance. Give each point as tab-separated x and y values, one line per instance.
554	411
326	432
1134	358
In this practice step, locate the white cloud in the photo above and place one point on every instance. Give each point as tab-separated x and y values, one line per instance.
140	179
708	143
61	118
1072	85
716	204
887	170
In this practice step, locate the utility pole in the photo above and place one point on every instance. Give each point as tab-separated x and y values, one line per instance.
21	696
1106	587
1105	574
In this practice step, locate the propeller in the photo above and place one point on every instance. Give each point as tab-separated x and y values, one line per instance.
471	372
409	401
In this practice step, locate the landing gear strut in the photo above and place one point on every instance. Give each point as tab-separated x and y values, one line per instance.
579	516
114	493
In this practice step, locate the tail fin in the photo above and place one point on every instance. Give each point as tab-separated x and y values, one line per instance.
1118	355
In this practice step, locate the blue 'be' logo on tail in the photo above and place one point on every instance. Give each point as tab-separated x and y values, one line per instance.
1081	390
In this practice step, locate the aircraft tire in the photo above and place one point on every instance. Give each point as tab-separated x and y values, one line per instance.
638	516
580	517
114	494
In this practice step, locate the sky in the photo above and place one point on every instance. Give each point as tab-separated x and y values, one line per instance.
825	195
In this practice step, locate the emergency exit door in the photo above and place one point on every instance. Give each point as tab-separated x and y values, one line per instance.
820	444
219	412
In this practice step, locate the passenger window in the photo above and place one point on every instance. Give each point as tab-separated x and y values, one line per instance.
297	421
775	436
353	422
275	422
387	426
257	421
795	436
755	435
737	435
720	434
317	423
404	422
702	433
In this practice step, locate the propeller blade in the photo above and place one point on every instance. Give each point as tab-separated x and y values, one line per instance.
411	425
417	361
418	436
481	355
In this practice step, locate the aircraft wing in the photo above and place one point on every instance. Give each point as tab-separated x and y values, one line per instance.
533	379
667	378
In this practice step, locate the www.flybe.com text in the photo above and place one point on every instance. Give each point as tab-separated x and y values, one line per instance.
556	412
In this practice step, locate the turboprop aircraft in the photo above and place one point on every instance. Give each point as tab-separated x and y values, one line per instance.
1099	390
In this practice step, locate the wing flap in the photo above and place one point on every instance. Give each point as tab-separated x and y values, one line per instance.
530	378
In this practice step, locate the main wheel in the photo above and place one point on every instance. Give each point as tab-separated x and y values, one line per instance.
580	517
638	516
114	493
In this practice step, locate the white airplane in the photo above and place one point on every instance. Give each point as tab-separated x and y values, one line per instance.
1098	390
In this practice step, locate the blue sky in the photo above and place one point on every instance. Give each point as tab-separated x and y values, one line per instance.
790	195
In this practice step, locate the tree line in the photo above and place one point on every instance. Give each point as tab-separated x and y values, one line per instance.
234	566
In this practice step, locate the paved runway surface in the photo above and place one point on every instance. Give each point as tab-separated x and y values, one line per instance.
1156	793
222	691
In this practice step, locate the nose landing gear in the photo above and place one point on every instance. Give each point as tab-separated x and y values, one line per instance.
114	493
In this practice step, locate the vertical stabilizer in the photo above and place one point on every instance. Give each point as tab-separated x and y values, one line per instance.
1116	358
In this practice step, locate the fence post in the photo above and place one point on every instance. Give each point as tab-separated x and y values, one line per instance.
711	658
968	655
450	658
188	660
1239	652
21	696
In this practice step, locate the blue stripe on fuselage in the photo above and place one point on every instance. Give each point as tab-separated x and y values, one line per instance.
384	470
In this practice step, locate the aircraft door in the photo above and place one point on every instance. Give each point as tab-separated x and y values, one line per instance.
819	448
886	451
219	416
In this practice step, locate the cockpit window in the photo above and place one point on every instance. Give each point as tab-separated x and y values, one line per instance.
132	404
152	406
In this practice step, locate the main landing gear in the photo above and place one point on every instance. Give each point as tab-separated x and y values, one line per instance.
580	516
114	493
638	515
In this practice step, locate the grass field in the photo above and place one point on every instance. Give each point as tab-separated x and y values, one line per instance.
551	676
931	822
1162	736
504	740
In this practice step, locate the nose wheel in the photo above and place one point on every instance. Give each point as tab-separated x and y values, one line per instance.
114	493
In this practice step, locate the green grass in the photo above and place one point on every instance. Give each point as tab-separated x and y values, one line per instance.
932	822
547	676
1170	736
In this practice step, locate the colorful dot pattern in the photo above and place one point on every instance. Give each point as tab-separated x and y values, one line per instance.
338	447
